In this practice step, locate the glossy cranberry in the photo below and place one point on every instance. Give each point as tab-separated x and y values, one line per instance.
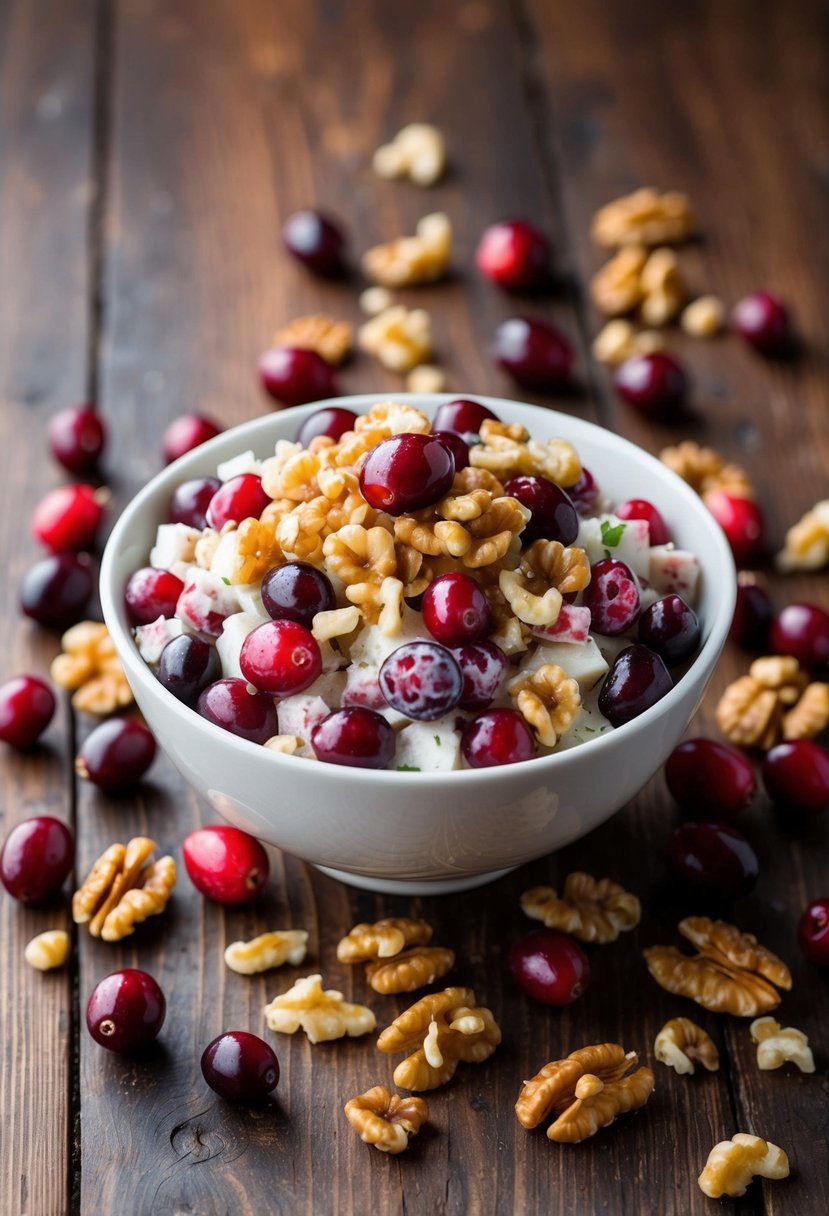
802	630
670	628
293	376
126	1010
150	594
55	592
462	416
584	495
229	703
187	432
813	933
742	522
77	437
240	1067
635	682
36	858
457	445
297	591
186	667
710	780
482	667
796	776
281	658
713	858
551	967
225	864
27	705
116	755
455	609
406	473
497	736
190	500
753	612
515	255
240	498
356	736
554	517
316	241
651	383
612	597
534	353
332	421
762	319
68	518
421	680
640	508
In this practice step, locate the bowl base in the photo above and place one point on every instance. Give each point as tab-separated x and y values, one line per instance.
395	886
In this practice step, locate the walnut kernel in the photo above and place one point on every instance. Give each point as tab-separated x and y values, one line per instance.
123	888
591	910
703	317
644	217
681	1042
409	970
48	950
90	666
323	1014
329	338
383	939
549	701
400	338
410	260
426	379
385	1120
807	541
441	1029
417	152
266	951
777	1046
733	1163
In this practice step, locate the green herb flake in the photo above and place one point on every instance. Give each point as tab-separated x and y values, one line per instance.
611	533
407	768
437	740
226	581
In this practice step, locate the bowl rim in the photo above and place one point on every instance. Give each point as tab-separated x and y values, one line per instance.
546	766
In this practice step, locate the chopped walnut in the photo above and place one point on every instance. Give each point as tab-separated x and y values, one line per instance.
399	338
645	217
534	610
323	1014
591	910
329	338
477	542
470	478
257	552
807	541
358	555
548	700
90	666
565	567
703	317
48	950
748	714
291	473
383	939
123	888
286	745
752	711
388	418
680	1043
507	456
385	1120
440	1029
417	152
619	339
374	300
426	379
810	714
266	951
617	287
732	1164
410	970
777	1046
705	470
662	288
335	623
410	260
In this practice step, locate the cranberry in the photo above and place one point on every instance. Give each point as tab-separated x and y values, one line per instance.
225	864
670	628
77	438
406	473
651	383
802	630
635	682
515	255
332	421
281	658
762	319
713	858
228	703
27	705
356	736
125	1010
116	755
497	736
462	416
710	780
796	776
457	445
297	591
584	495
742	522
421	680
68	518
455	609
293	376
316	241
240	498
187	432
551	967
553	515
753	612
186	667
190	500
534	352
612	597
813	932
36	858
240	1067
55	592
150	594
640	508
482	667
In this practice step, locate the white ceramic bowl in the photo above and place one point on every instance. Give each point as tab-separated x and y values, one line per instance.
420	833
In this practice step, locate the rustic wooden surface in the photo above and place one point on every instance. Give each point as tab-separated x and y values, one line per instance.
148	152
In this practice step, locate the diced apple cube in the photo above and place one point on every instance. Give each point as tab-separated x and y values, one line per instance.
572	626
174	544
151	639
249	596
223	562
371	646
627	540
429	746
205	602
235	629
583	663
330	686
674	571
245	462
299	716
362	687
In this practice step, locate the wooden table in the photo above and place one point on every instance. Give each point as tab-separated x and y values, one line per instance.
149	150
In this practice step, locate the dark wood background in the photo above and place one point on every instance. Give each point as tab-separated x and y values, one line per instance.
149	150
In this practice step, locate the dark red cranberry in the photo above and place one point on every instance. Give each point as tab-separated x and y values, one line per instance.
187	665
742	522
462	416
293	376
635	682
651	383
640	508
534	352
753	612
802	630
297	591
482	667
710	780
240	498
240	1067
406	473
36	858
225	864
553	515
670	628
27	705
457	446
187	432
190	500
612	597
281	658
150	594
77	438
126	1010
332	421
228	703
497	736
357	737
316	241
713	858
455	609
515	254
421	680
551	967
55	592
762	319
813	933
796	776
68	518
584	495
116	755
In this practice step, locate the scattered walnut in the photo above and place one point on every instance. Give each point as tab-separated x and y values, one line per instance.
733	1163
507	456
329	338
335	623
48	950
426	379
384	1120
123	888
374	300
399	338
417	152
752	710
410	260
810	715
704	469
410	970
440	1029
645	217
748	714
549	701
681	1042
703	317
533	610
322	1014
777	1046
286	745
591	910
90	667
807	541
616	288
266	951
383	939
619	339
662	288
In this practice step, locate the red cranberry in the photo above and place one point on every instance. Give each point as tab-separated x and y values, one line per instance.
316	241
293	376
421	680
612	597
77	438
225	864
36	858
713	858
802	630
27	705
228	703
584	495
187	665
742	522
651	383
534	352
553	515
515	255
280	658
126	1010
455	609
457	445
297	591
150	594
240	498
55	592
762	319
332	421
357	737
551	967
497	736
68	518
813	932
190	500
116	755
482	667
406	473
710	780
796	776
753	612
635	682
462	416
187	432
670	628
240	1067
640	508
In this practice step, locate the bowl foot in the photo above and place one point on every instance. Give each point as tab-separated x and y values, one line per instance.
396	886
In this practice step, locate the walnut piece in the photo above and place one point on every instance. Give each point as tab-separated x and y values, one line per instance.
385	1120
440	1030
410	970
417	152
807	541
257	551
399	338
323	1014
616	288
328	338
123	888
593	910
810	714
680	1043
374	300
752	711
619	339
266	951
662	287
48	950
427	378
548	561
703	317
90	667
704	469
383	939
411	260
508	451
548	700
733	1163
777	1046
644	217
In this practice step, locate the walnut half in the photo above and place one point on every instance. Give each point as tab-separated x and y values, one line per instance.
777	1046
385	1120
323	1014
440	1030
733	1163
681	1042
593	910
123	888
